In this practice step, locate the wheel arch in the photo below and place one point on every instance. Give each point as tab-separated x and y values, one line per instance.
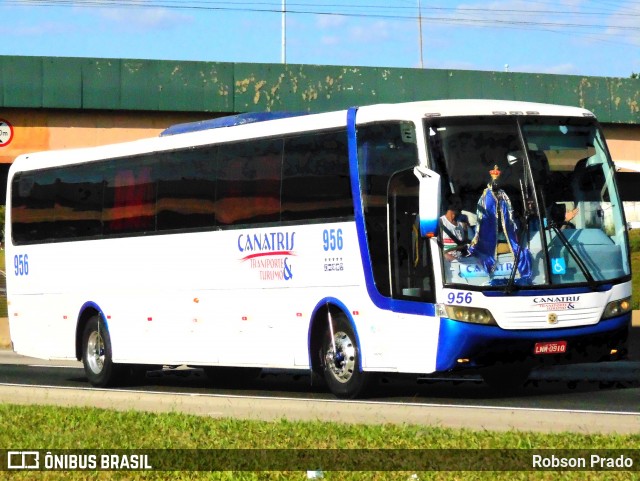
318	326
87	311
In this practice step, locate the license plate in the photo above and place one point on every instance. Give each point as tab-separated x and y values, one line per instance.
554	347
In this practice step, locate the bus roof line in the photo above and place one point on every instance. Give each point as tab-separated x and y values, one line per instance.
228	121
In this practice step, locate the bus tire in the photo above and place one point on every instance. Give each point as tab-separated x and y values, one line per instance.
341	368
96	355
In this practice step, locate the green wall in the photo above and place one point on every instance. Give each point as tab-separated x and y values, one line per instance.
173	86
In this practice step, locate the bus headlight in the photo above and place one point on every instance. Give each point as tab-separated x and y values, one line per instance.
617	308
473	315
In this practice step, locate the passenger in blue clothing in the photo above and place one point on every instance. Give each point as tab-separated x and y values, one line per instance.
495	216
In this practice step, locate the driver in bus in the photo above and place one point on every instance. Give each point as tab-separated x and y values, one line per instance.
455	229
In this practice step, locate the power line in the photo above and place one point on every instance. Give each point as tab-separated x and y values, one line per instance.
470	19
271	7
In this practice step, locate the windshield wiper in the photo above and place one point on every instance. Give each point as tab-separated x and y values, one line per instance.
508	289
524	236
563	238
565	242
527	204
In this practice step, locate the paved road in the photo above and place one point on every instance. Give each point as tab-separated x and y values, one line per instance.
602	398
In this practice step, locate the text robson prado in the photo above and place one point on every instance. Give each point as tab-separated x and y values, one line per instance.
592	461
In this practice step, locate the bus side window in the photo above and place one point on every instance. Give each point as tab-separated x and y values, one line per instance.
248	182
315	177
186	189
33	206
384	149
130	199
79	195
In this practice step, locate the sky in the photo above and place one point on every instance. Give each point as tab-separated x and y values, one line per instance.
574	37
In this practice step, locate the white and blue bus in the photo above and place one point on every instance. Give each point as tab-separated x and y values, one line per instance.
314	242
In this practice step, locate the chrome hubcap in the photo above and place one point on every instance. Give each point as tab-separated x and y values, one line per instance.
95	352
342	362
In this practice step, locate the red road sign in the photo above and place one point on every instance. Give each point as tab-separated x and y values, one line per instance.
6	133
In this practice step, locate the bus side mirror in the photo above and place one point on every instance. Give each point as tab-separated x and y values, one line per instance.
429	201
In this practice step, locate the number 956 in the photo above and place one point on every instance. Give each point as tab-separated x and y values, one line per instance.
459	298
21	265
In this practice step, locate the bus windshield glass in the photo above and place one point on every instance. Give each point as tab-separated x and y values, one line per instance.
527	201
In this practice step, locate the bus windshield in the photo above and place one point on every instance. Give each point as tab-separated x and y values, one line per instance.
527	201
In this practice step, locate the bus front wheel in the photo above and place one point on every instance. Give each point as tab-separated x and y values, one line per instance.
96	354
340	359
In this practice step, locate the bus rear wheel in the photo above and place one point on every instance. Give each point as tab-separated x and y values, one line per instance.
96	355
340	359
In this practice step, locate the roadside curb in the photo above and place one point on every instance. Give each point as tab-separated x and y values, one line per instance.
353	412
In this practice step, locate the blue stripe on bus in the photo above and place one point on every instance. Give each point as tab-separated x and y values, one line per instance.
227	121
380	301
96	307
464	340
428	225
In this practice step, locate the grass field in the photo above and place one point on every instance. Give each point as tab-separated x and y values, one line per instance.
33	427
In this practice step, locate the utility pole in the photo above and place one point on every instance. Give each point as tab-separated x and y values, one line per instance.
420	32
284	32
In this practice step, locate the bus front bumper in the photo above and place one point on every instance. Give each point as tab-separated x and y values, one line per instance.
464	345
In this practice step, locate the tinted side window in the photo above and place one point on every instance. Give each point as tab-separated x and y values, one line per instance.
198	188
186	189
57	203
79	196
315	178
33	203
248	184
129	197
384	149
